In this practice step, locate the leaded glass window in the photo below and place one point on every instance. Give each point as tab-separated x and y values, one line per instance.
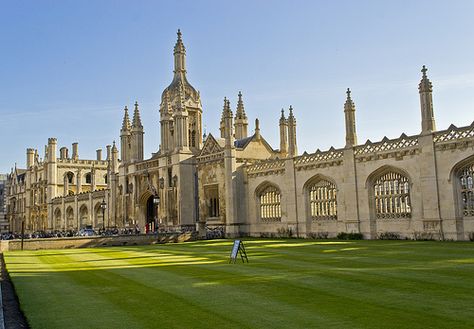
322	200
270	206
466	177
392	196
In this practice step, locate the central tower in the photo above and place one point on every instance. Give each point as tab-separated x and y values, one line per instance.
180	109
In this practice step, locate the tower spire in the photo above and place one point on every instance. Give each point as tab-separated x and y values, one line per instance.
349	115
425	88
179	55
241	122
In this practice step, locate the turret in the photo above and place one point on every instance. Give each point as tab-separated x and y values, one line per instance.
292	148
30	157
179	120
108	147
165	122
75	152
283	134
63	153
425	88
115	163
181	123
241	122
257	129
137	135
228	124
349	114
125	134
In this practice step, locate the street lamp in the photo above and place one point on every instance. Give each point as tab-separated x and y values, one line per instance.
103	206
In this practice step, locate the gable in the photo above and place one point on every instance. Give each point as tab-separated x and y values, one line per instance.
211	146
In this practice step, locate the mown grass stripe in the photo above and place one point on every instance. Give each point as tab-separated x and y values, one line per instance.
288	283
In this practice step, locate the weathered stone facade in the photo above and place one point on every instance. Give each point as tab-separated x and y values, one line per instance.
411	186
57	193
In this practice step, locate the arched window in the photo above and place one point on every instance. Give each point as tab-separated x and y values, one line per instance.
212	200
270	204
466	178
322	200
392	196
88	178
70	177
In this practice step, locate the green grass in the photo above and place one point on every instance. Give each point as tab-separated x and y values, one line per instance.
287	284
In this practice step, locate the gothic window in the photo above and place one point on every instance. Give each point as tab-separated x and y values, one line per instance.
88	178
322	200
170	178
212	200
70	177
193	138
392	196
466	178
269	204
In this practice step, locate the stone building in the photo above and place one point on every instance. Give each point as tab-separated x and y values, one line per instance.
412	186
59	193
4	226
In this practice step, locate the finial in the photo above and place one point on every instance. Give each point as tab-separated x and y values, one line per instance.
282	113
126	108
423	70
348	92
240	94
136	104
257	124
179	34
291	110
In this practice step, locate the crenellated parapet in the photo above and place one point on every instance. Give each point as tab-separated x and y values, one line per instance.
331	157
398	147
454	137
268	167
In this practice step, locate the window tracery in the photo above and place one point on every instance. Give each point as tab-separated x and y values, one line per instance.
323	200
392	196
270	204
466	178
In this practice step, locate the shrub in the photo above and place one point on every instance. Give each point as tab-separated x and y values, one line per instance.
283	232
318	235
350	236
389	236
423	236
471	236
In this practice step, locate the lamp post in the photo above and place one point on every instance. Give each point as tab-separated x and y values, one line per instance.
103	206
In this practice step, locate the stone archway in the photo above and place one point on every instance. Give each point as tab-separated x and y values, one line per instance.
150	214
84	217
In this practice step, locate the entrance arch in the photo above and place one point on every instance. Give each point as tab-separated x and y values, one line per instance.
150	214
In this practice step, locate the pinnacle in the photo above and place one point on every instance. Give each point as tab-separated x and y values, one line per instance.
425	83
126	120
240	113
349	104
137	122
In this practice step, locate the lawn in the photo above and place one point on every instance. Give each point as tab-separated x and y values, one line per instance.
287	284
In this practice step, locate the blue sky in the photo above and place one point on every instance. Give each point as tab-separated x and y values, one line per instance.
67	68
